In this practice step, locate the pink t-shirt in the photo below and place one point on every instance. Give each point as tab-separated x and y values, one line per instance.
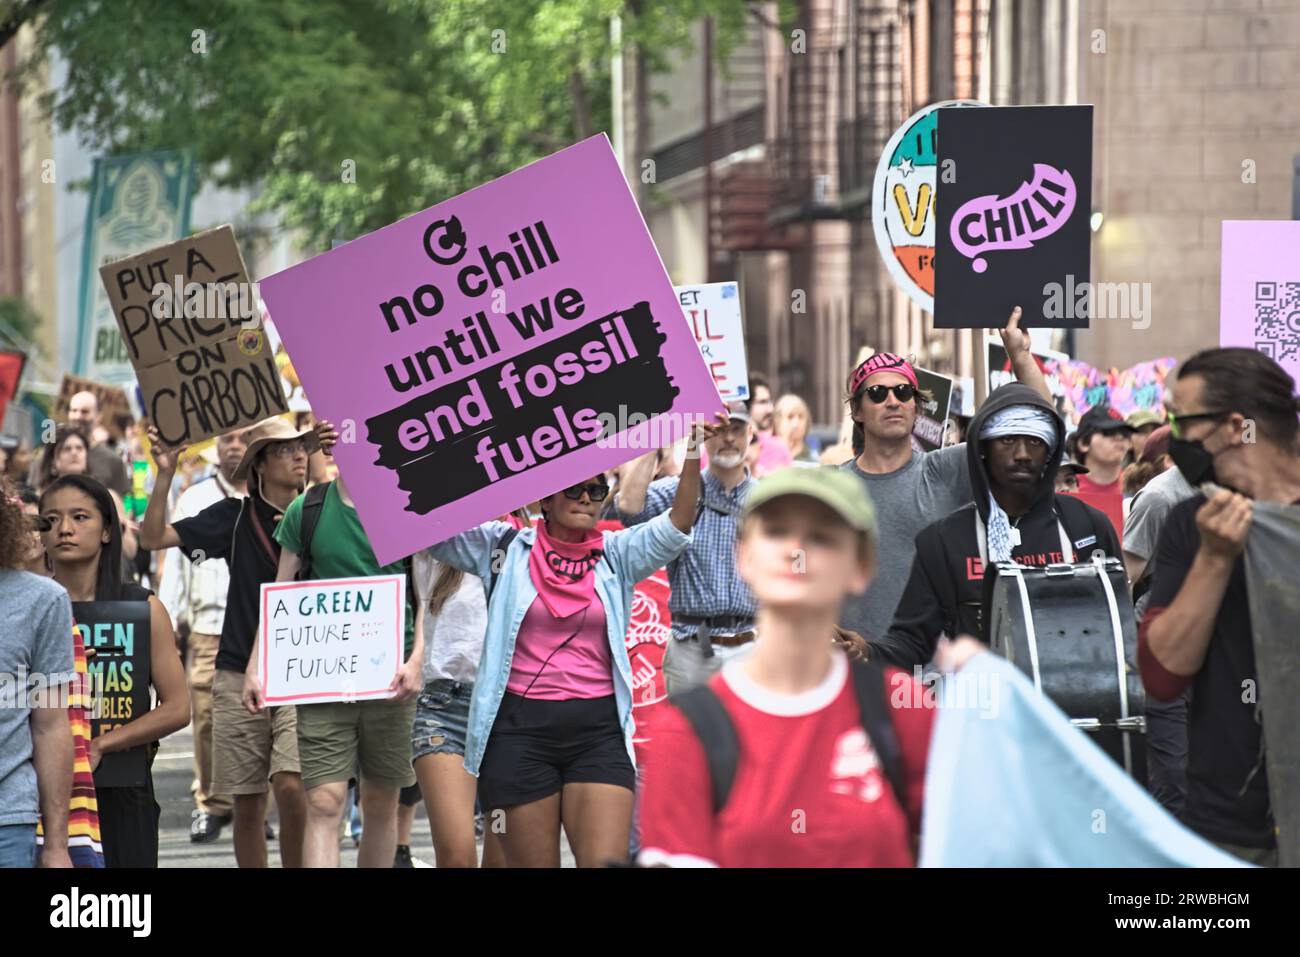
773	454
581	669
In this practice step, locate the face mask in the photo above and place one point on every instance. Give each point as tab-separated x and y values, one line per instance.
1192	459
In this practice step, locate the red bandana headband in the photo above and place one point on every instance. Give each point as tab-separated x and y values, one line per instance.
881	362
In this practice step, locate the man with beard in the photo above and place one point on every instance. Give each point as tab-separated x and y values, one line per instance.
713	610
195	596
1016	516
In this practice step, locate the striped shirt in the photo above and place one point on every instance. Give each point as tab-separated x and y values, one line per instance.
84	847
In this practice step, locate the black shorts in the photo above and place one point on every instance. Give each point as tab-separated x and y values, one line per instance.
536	747
128	825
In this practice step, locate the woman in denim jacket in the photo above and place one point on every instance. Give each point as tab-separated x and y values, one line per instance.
550	723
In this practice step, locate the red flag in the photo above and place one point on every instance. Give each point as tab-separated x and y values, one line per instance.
11	370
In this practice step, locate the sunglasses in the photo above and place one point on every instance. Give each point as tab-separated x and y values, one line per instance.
595	491
903	392
288	449
1177	421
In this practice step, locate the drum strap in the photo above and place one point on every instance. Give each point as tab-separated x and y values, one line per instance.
1099	563
982	537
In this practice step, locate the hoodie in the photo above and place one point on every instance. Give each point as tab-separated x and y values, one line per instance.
943	591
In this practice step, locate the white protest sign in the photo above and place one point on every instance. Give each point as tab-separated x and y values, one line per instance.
713	310
333	640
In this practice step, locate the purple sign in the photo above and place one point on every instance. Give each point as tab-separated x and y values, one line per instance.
1259	289
1034	211
493	349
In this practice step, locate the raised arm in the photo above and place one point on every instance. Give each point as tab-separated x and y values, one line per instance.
687	500
1017	343
1179	637
634	478
155	532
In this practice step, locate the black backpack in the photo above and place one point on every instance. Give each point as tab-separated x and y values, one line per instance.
709	720
313	503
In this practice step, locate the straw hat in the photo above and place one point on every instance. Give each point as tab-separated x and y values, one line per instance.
263	434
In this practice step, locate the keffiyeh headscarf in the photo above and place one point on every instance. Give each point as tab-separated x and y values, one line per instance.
1013	420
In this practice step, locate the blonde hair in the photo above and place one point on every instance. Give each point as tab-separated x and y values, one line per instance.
791	402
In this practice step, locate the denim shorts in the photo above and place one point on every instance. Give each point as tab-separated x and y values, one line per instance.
441	718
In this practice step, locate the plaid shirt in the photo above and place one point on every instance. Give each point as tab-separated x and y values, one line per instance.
703	578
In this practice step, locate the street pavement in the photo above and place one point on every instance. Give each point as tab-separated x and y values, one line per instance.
173	772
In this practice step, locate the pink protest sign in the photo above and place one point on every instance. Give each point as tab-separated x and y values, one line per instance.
1259	289
493	349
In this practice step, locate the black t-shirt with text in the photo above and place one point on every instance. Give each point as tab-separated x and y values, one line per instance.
1223	730
219	531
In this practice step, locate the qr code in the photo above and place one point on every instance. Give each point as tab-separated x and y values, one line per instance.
1277	319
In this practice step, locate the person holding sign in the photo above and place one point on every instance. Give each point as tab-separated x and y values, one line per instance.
84	543
817	760
550	725
247	750
321	538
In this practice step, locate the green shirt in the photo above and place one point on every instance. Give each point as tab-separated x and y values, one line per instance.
339	546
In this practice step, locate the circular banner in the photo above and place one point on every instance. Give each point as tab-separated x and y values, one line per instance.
902	201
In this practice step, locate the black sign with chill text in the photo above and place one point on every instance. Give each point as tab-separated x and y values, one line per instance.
1013	208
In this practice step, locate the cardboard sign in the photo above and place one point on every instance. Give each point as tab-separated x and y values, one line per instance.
114	409
333	640
1259	290
932	420
902	202
181	309
713	310
493	349
116	637
1013	207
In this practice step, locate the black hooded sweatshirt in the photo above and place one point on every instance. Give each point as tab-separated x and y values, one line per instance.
944	590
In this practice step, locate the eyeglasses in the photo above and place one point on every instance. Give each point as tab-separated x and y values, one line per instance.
595	491
1177	421
290	448
903	392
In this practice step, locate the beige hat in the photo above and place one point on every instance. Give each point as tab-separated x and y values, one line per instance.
263	434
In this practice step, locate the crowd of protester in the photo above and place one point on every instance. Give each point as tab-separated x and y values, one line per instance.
806	582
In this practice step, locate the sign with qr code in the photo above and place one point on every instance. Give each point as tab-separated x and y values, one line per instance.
1259	289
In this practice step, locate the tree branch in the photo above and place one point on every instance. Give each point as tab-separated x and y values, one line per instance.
18	15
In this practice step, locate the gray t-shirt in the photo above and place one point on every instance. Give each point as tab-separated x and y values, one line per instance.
929	487
35	642
1146	517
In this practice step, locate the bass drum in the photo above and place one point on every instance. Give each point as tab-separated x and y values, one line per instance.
1071	629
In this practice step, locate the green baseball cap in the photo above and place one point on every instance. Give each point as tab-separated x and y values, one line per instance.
1145	417
833	487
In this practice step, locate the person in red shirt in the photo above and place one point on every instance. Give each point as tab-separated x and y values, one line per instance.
812	786
1101	444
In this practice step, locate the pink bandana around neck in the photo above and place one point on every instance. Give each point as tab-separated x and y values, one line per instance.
564	572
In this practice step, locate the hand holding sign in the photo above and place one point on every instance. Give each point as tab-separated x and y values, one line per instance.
1014	339
327	435
165	456
408	681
